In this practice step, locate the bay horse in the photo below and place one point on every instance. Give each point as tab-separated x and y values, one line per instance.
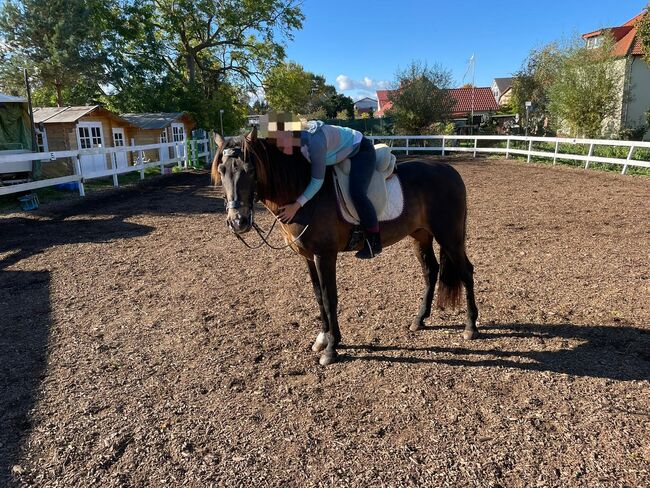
435	207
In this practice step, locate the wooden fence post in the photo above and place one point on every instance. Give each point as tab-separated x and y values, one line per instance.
475	146
591	153
407	147
530	148
114	168
557	147
508	148
443	145
629	158
77	171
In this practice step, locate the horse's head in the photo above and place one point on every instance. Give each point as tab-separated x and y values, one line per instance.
237	175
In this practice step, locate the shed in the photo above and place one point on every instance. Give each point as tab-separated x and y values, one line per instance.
160	127
81	127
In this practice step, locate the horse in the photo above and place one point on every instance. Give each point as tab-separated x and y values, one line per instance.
252	169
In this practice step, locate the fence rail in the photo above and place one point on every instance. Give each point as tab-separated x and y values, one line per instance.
182	154
449	144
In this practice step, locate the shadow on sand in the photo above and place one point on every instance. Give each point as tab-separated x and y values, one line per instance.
613	352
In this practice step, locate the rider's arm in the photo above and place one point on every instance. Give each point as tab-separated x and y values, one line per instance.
317	153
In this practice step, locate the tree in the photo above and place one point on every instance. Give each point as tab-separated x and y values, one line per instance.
584	92
532	83
62	42
338	104
288	88
643	31
422	98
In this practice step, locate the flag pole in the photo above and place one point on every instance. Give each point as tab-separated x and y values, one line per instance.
473	87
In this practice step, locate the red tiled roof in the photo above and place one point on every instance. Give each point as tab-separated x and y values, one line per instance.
625	37
484	101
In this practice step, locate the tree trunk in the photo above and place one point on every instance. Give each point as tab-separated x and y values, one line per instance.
59	96
191	67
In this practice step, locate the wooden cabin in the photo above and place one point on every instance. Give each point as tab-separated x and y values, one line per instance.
83	127
160	127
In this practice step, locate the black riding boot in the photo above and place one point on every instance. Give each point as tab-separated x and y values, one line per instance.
371	246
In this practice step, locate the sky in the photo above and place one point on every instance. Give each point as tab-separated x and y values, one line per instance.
358	45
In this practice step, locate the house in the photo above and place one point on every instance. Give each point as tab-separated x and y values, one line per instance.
365	106
80	127
502	90
15	132
634	89
478	100
160	127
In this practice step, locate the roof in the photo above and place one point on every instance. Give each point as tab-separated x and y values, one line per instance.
11	99
484	100
626	40
155	120
366	98
503	84
57	115
483	97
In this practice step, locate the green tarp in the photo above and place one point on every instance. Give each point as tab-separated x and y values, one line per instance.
15	127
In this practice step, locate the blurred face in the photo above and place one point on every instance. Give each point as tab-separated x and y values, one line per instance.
238	179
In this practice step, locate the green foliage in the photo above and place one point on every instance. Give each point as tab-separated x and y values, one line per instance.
532	83
421	99
198	56
643	31
288	88
443	128
337	104
633	133
584	92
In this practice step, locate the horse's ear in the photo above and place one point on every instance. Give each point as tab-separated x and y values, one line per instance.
252	136
219	141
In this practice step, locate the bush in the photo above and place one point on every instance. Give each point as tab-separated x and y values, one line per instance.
633	133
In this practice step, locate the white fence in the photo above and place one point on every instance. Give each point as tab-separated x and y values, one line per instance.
81	174
510	145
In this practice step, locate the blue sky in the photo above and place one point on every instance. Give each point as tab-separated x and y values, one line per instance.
369	40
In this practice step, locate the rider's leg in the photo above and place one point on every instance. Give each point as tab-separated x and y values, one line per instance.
361	170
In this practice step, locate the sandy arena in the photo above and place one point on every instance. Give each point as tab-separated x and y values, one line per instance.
142	345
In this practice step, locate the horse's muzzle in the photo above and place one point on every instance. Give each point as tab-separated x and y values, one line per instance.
239	225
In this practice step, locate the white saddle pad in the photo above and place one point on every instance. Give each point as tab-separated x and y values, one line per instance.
394	204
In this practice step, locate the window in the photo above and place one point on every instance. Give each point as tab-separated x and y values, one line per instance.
163	136
178	133
595	42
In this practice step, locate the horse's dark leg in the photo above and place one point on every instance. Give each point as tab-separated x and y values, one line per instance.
423	247
467	277
321	340
326	268
465	272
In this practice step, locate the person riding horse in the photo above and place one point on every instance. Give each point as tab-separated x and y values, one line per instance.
326	145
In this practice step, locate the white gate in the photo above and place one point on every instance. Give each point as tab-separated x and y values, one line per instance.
118	141
178	135
90	136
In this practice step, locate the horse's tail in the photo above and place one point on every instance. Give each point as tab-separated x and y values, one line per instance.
450	285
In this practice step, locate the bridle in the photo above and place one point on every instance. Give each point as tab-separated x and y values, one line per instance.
253	197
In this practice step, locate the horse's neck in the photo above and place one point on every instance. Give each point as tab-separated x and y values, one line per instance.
281	185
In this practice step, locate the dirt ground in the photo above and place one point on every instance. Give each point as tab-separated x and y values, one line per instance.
142	345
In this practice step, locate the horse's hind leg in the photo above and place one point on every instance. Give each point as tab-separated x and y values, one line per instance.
460	268
321	339
423	247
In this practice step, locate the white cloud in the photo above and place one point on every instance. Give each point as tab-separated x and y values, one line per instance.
345	83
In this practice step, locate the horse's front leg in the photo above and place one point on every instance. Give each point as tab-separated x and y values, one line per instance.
326	269
321	339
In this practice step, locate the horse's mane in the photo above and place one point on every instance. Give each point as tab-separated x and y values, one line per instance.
280	178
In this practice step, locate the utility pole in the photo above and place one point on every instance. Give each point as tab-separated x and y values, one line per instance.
221	118
36	165
528	105
473	61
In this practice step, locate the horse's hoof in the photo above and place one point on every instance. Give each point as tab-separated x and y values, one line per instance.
469	335
327	359
415	326
320	343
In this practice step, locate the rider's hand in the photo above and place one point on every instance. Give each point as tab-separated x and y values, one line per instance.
288	212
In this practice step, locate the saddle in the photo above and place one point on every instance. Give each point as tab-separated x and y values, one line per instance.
384	190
